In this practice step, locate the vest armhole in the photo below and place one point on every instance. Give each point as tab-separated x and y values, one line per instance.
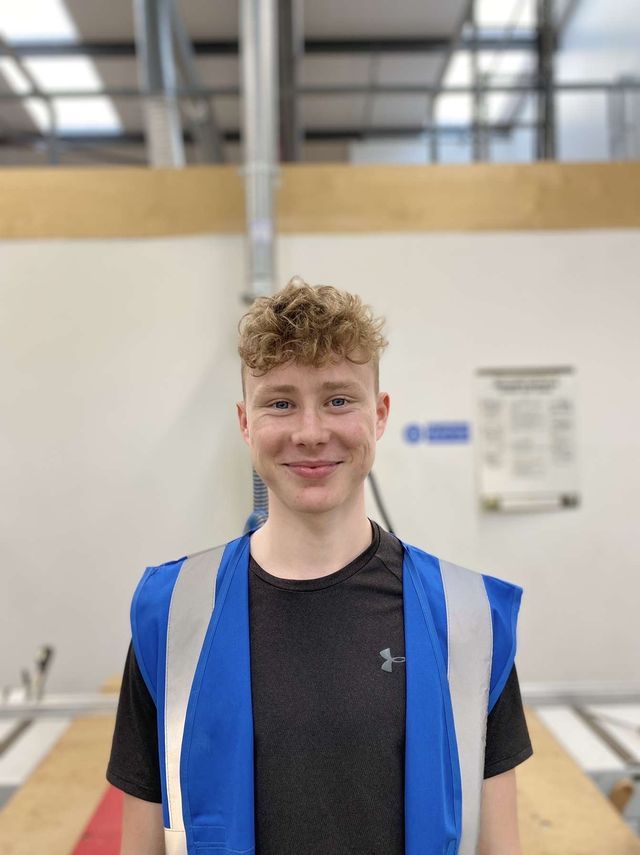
136	635
504	598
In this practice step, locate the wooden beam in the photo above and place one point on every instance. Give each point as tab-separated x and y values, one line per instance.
335	198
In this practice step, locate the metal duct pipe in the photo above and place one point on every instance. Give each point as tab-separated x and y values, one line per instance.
258	38
259	45
157	75
199	111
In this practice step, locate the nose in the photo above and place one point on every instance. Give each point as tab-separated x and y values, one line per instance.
310	428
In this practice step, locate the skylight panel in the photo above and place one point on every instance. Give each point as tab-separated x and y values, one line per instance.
14	76
459	69
506	65
76	72
453	109
39	112
502	67
499	14
48	20
499	106
37	20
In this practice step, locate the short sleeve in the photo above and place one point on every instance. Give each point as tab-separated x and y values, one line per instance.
133	764
508	742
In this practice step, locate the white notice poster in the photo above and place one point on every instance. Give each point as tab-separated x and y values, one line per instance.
526	446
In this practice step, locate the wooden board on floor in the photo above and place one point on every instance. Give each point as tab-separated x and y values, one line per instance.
561	810
50	811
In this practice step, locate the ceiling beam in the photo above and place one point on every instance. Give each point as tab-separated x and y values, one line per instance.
529	87
233	136
229	47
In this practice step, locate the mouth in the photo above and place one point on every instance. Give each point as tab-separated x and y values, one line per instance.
313	472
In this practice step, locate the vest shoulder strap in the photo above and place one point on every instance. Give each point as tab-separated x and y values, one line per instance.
149	615
504	598
170	612
470	653
475	617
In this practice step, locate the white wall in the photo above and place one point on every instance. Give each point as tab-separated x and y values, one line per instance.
459	302
120	446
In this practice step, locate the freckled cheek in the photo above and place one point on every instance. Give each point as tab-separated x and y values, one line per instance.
269	445
360	442
270	440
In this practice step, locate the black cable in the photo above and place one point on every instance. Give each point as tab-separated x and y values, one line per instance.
260	504
378	498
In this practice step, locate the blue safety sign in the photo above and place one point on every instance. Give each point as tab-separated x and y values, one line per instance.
437	432
448	432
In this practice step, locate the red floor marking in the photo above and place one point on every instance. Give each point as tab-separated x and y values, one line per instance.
103	832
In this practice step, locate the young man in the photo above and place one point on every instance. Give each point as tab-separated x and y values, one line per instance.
348	693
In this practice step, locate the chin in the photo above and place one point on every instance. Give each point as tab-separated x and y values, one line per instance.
311	502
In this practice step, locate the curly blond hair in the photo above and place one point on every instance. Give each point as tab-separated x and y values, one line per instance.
310	325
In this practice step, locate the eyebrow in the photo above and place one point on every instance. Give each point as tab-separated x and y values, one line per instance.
328	386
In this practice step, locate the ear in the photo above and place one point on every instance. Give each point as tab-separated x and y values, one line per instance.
241	410
383	407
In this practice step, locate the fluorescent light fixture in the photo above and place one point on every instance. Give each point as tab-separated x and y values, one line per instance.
48	20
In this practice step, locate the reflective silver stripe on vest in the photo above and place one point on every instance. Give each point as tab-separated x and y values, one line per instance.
190	611
470	643
175	842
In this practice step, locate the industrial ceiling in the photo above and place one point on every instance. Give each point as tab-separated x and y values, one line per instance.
349	72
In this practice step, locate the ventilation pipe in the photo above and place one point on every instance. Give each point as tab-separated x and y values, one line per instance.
258	38
156	70
199	112
258	28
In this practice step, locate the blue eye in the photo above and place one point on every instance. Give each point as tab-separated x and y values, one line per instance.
287	402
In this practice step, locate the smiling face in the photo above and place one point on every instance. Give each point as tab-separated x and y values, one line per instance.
297	414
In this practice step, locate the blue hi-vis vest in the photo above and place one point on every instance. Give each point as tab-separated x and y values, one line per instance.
190	632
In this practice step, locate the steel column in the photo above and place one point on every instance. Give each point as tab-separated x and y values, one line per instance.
479	118
290	49
546	140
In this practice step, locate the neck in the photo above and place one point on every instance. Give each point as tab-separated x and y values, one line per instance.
310	546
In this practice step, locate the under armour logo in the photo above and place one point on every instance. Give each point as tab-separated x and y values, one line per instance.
387	665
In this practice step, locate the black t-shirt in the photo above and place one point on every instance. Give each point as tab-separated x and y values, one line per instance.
328	695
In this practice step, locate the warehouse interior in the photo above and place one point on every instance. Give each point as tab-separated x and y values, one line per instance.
472	171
